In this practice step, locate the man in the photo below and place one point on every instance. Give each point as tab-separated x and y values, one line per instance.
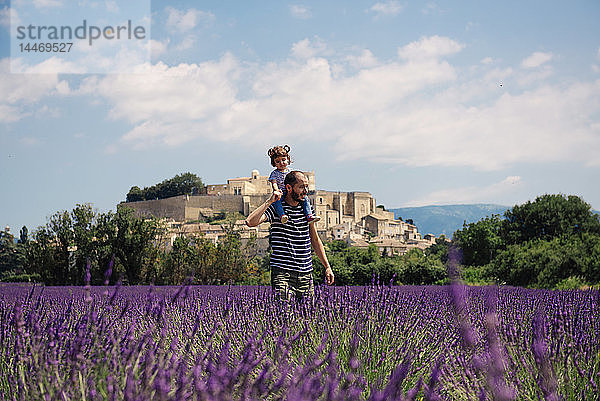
291	260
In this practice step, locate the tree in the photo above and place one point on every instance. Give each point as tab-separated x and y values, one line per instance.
546	263
23	235
135	194
537	244
230	263
12	255
83	226
133	243
59	229
61	250
439	250
356	266
479	241
549	216
337	246
182	261
181	184
206	260
591	250
41	255
419	269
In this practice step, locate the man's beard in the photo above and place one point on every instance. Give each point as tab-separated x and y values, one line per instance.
296	196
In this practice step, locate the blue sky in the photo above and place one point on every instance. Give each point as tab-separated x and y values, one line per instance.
419	103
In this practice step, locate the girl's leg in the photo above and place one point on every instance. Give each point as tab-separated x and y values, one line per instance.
278	207
279	210
306	207
308	211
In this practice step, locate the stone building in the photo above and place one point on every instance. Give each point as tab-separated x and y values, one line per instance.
256	184
384	227
349	216
391	247
336	208
195	207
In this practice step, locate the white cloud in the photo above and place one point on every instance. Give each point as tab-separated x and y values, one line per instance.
168	104
53	65
9	113
431	8
535	76
157	48
23	91
175	104
300	12
186	43
470	194
387	8
487	60
365	59
184	21
429	47
103	57
6	14
471	25
47	3
112	6
306	48
416	111
536	59
544	125
30	141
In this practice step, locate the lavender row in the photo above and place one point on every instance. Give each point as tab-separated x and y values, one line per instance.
354	343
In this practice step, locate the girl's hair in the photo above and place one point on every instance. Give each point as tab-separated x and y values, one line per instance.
278	151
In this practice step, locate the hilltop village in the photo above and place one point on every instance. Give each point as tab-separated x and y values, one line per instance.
348	216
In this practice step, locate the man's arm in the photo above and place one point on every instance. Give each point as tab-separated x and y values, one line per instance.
320	251
258	215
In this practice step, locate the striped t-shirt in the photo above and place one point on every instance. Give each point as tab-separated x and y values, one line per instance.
290	242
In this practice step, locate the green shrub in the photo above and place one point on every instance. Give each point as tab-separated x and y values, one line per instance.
571	283
23	278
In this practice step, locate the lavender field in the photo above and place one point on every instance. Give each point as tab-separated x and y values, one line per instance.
239	343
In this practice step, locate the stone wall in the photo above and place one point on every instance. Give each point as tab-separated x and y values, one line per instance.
173	208
193	207
251	202
218	203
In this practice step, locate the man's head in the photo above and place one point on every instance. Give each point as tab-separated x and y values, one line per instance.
296	185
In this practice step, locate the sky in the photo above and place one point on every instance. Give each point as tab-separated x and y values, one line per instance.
418	103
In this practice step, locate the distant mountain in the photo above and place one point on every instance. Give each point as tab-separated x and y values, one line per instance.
446	219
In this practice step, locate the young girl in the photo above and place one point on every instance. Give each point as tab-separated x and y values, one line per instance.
280	159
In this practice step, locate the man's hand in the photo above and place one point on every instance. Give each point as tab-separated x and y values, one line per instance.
329	277
320	251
